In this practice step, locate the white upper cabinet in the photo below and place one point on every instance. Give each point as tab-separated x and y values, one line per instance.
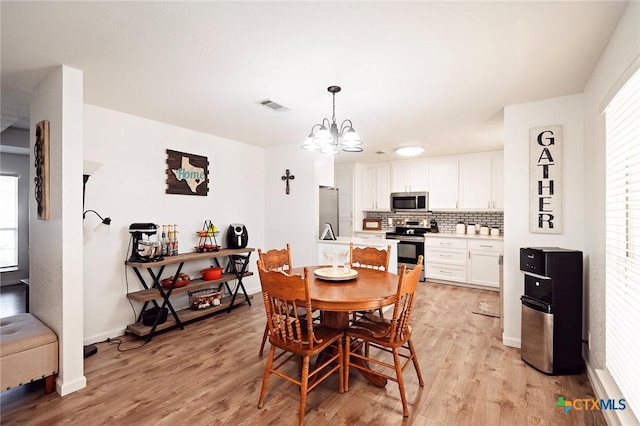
375	186
475	185
443	184
497	163
409	176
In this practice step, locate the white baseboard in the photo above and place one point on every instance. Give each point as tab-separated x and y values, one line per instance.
605	388
104	336
514	343
68	387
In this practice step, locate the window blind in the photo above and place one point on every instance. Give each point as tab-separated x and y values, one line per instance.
623	241
8	221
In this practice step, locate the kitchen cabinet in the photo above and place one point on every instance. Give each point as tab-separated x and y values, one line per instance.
409	176
375	186
483	266
497	180
446	259
475	186
380	235
481	182
443	184
472	261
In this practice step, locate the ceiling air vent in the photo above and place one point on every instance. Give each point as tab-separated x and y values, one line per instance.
273	106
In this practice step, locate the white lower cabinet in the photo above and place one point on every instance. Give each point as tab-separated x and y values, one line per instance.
464	261
446	259
371	235
483	267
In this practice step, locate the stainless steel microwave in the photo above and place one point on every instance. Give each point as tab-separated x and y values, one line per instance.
409	201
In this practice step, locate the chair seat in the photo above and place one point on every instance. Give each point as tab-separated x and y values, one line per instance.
376	330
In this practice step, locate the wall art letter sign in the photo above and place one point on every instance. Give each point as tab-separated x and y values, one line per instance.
545	180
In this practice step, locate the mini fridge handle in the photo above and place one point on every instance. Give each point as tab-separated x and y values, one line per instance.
535	304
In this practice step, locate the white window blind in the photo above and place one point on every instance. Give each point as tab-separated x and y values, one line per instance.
623	241
8	221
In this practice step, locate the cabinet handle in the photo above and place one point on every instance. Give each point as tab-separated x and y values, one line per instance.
445	272
482	245
445	244
445	255
489	204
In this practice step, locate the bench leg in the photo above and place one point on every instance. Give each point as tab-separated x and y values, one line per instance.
49	384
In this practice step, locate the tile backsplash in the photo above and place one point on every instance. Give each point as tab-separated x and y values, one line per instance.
446	220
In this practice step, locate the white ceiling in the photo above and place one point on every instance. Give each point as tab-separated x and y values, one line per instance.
437	74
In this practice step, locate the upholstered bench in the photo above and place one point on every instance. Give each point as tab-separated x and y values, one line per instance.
28	352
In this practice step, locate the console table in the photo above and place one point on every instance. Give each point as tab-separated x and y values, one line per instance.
236	269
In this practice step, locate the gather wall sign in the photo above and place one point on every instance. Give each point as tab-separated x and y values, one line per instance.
545	177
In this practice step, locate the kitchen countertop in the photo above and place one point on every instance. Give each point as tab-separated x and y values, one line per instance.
467	236
360	241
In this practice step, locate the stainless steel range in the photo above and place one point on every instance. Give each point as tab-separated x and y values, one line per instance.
411	243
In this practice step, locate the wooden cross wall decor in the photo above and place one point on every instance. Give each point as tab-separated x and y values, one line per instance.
287	177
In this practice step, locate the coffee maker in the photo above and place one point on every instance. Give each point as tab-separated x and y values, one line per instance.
143	250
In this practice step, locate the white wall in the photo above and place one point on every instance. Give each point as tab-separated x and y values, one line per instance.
518	119
620	59
130	187
19	165
294	218
56	244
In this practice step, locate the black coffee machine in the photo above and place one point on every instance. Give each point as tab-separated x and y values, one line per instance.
433	226
144	250
237	236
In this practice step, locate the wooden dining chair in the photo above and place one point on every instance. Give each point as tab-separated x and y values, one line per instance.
369	257
274	260
283	295
386	335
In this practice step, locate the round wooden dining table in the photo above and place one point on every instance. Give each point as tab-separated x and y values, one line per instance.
370	290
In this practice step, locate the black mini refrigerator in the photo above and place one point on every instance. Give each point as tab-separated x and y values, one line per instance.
551	339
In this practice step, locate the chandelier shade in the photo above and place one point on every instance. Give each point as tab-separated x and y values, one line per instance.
327	138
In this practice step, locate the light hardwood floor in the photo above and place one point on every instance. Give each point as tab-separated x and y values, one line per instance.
210	374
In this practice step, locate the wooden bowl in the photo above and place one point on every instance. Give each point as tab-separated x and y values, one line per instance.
166	283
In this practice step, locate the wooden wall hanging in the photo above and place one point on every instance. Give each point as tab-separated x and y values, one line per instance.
41	163
187	174
545	180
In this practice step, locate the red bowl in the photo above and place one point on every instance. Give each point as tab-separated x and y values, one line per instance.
166	283
211	274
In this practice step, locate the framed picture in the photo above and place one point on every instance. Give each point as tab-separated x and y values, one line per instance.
41	163
187	174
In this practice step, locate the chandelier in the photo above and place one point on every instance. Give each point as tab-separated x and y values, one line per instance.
328	139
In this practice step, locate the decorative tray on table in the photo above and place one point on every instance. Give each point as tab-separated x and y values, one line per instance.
340	275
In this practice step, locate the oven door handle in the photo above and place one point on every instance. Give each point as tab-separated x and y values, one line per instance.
403	238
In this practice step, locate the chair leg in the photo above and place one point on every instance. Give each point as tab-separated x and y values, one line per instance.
267	373
304	384
403	396
264	339
414	357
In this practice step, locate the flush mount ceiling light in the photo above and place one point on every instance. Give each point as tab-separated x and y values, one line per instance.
326	137
408	151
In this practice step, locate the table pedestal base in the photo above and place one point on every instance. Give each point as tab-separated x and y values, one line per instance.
340	321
